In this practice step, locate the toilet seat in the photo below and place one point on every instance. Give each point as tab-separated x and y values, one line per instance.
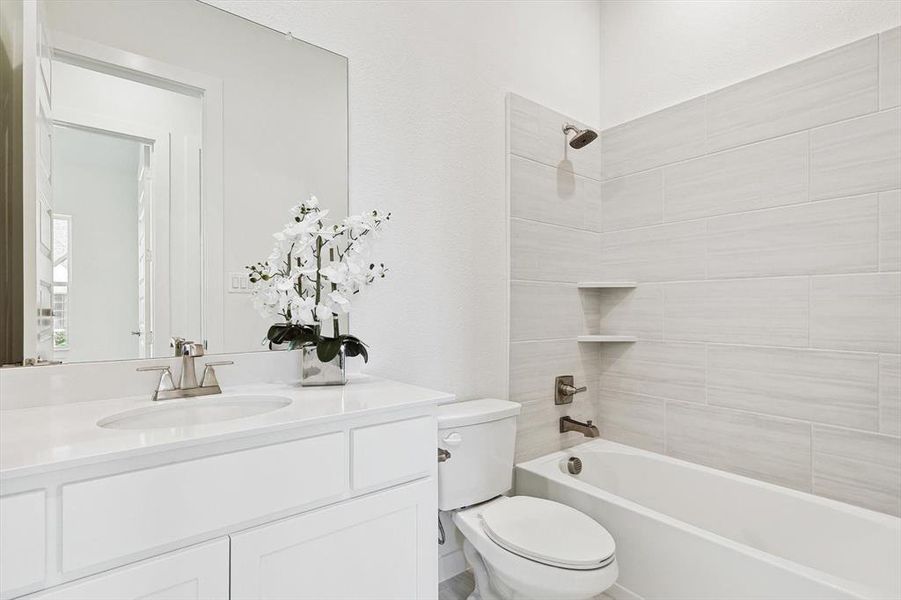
531	578
548	532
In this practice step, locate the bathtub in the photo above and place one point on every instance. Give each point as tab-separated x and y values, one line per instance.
684	531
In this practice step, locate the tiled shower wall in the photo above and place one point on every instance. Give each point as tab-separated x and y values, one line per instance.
555	210
762	223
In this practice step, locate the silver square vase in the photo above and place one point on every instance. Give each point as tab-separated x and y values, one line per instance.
316	372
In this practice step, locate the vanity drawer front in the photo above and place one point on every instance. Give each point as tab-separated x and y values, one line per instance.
22	540
393	453
116	516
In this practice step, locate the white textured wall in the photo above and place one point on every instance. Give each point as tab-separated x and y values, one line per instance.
656	53
427	142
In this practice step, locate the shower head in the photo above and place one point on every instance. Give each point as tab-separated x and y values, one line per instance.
583	136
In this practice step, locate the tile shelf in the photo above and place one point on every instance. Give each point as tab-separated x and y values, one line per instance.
602	285
606	338
606	285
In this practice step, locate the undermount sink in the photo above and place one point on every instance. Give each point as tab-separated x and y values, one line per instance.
189	412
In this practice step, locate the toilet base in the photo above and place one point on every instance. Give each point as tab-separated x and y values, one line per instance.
486	587
479	574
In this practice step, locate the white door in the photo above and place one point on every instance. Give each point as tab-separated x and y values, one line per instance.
196	573
378	547
37	134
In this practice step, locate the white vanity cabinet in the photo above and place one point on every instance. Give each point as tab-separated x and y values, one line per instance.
196	573
374	548
343	510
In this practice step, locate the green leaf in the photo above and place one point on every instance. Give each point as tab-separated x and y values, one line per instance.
353	346
356	348
328	348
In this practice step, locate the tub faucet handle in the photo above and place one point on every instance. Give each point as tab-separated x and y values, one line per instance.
564	390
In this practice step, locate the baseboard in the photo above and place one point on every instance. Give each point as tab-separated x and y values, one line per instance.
451	564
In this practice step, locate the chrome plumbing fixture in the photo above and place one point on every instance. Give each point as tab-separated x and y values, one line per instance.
187	384
574	465
564	390
583	136
586	429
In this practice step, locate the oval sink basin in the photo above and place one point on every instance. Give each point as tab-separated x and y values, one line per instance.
190	412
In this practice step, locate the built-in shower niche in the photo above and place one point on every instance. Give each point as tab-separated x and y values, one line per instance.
612	289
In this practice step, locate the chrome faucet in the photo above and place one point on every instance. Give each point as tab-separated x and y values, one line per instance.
586	429
187	385
187	350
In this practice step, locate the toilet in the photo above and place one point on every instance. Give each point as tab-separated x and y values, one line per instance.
518	547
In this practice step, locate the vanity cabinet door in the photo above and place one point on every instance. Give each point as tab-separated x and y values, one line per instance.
378	547
196	573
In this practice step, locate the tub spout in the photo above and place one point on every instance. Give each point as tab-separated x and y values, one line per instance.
586	429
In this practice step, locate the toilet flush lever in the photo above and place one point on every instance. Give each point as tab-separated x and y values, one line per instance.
443	455
564	390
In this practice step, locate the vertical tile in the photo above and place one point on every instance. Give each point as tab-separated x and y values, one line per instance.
637	312
771	173
551	253
856	312
829	87
762	447
673	370
632	201
672	134
837	388
675	251
534	365
890	231
551	311
857	156
858	467
536	132
835	236
890	68
551	195
739	311
631	419
890	394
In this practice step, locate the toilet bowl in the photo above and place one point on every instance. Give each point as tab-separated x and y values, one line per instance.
556	557
519	547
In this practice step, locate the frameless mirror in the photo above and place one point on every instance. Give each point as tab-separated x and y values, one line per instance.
168	140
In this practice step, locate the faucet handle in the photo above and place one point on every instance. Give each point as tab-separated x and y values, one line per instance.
564	390
165	384
189	348
209	373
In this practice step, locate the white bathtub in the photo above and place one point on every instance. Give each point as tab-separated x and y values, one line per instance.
685	531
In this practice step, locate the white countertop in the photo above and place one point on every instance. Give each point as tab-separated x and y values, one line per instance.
48	438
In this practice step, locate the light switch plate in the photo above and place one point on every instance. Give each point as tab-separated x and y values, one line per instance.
236	282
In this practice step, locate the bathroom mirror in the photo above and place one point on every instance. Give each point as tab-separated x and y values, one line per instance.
168	143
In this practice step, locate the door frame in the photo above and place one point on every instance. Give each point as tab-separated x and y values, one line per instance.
98	57
159	224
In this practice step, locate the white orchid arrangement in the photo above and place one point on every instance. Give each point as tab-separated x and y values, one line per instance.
311	275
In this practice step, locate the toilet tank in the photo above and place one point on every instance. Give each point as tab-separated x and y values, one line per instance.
481	438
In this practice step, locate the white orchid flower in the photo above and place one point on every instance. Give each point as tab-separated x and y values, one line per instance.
322	312
335	272
309	251
339	301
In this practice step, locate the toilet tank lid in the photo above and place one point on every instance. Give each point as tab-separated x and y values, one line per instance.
472	412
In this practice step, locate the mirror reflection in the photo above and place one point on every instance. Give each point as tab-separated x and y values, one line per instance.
170	139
